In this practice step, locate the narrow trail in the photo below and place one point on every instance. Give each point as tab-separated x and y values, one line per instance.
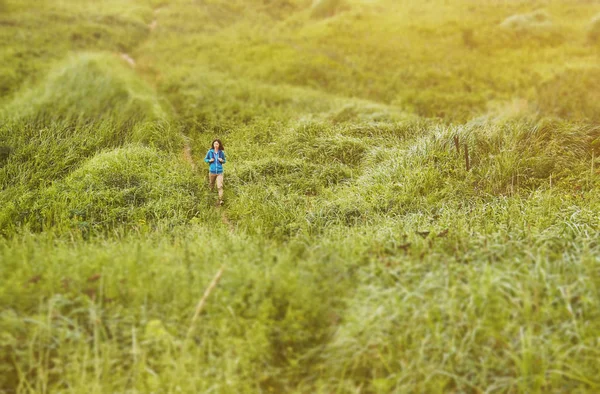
154	22
128	59
187	149
187	155
152	26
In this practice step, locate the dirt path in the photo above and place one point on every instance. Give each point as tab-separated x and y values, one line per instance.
187	149
152	26
154	22
226	221
187	155
128	59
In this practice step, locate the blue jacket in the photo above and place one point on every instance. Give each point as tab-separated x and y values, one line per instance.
216	167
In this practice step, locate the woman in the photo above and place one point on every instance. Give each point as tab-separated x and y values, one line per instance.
216	158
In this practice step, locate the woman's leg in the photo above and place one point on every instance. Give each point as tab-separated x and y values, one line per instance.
220	185
211	181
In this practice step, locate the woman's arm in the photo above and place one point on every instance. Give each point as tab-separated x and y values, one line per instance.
207	158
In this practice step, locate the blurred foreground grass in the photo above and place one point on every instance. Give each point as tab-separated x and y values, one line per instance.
362	252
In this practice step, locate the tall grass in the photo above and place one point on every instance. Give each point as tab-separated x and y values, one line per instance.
361	252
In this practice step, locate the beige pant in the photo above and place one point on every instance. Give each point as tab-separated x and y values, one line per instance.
211	183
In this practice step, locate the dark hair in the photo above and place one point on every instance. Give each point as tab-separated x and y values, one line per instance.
221	146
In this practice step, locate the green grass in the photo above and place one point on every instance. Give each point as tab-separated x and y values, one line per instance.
360	252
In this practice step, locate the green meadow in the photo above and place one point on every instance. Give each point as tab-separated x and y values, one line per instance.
412	196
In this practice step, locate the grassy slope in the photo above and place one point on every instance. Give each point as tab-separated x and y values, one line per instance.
364	257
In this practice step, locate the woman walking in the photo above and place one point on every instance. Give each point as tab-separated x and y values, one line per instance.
215	157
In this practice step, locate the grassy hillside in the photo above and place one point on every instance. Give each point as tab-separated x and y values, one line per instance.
411	196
